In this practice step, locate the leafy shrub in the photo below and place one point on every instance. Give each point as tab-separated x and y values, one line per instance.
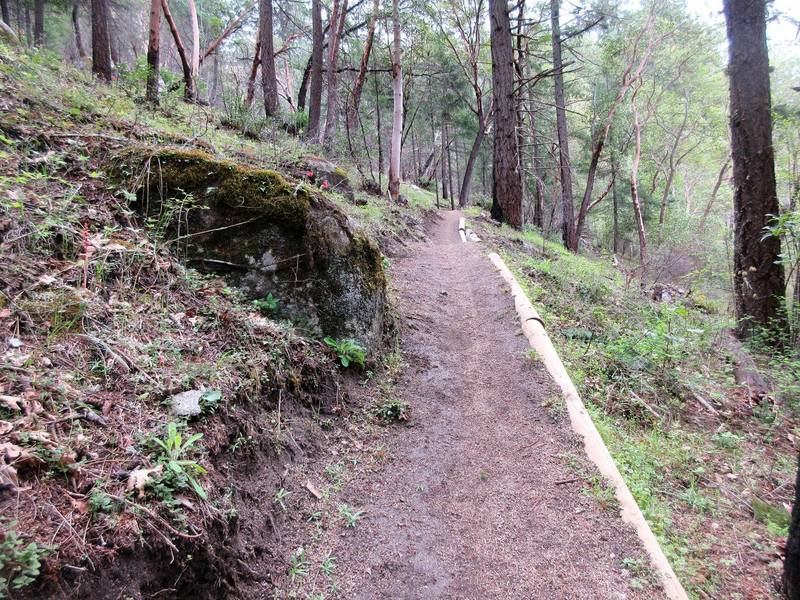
179	472
20	564
349	351
268	304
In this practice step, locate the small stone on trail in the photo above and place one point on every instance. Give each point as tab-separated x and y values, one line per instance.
14	342
187	404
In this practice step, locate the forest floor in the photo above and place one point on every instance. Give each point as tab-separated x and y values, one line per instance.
485	492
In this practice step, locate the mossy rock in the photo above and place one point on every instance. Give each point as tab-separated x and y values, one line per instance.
266	235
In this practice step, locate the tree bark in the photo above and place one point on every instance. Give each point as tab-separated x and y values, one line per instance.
101	53
506	172
397	120
229	29
76	25
251	79
568	231
758	276
445	194
188	83
195	46
269	80
358	86
637	204
153	47
791	566
332	109
4	12
466	183
450	143
38	23
538	191
318	40
380	136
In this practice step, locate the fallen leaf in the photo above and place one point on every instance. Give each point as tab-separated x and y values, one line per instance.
314	491
139	478
5	427
12	403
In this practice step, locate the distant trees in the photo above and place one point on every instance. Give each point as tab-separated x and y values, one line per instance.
338	14
506	172
153	48
758	277
317	41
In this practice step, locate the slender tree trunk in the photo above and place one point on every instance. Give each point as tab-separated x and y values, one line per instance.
506	173
195	46
251	78
463	195
28	30
315	104
188	83
568	232
6	14
101	55
38	23
212	95
153	46
332	109
76	25
672	164
637	205
615	203
720	178
229	29
380	135
450	187
445	194
758	273
358	86
269	80
538	194
397	121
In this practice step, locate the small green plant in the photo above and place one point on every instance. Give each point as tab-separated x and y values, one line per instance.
100	502
20	563
268	304
280	498
298	565
180	471
209	401
351	515
241	442
349	351
328	565
393	410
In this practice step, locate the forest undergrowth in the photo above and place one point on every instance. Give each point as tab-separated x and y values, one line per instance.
710	464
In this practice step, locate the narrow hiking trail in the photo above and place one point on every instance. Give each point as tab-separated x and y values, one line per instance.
477	499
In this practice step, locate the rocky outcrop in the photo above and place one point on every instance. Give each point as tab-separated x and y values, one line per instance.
266	235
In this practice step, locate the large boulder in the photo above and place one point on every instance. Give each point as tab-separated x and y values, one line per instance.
266	235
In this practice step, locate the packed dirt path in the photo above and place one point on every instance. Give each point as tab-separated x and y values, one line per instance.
479	498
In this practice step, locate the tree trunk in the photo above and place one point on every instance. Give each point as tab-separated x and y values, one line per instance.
450	143
195	46
397	121
380	135
269	80
4	12
76	25
251	79
637	205
791	566
38	23
101	54
28	30
758	276
463	194
358	86
332	108
568	232
538	191
212	95
153	43
720	178
673	164
445	194
188	83
315	104
229	29
506	172
615	203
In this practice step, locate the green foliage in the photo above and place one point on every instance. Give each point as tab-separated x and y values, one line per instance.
348	351
268	304
20	563
179	472
393	409
350	514
776	518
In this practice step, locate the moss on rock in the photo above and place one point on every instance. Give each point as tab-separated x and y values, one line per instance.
265	234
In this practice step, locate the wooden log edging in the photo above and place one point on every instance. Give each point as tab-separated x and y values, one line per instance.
582	424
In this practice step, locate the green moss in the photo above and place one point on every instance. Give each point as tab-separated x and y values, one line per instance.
267	192
367	258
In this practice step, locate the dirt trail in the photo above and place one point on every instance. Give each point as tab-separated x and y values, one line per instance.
468	505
